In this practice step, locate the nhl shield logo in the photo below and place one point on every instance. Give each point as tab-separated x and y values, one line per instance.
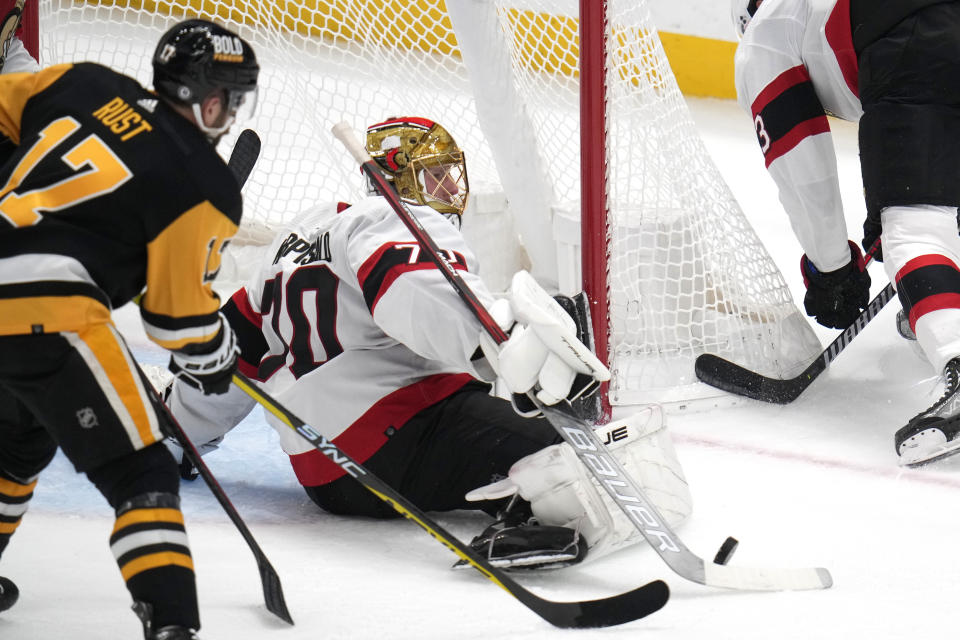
87	418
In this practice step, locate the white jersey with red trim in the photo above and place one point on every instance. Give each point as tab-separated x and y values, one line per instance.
796	64
352	327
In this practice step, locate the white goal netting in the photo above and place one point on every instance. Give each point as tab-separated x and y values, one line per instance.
686	273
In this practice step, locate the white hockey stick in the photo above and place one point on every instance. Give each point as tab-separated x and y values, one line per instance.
579	434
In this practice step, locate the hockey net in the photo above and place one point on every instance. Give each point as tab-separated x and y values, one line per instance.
685	272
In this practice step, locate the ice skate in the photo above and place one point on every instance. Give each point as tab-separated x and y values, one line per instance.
144	611
932	435
9	594
174	633
518	541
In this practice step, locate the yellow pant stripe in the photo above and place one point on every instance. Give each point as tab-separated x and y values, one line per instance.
155	560
112	357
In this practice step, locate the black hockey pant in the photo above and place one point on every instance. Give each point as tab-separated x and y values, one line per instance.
465	441
81	392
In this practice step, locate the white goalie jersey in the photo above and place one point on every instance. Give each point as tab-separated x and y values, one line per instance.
349	289
18	59
794	66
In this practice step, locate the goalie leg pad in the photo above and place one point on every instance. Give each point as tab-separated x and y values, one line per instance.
563	492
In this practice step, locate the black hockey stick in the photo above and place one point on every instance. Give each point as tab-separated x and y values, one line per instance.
721	373
272	589
728	376
244	156
606	469
604	612
246	150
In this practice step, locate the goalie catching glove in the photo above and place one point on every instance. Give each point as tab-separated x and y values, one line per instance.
543	355
211	371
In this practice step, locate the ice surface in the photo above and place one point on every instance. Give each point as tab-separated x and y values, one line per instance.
813	483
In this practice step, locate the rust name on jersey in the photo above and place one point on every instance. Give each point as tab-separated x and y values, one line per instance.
308	251
121	118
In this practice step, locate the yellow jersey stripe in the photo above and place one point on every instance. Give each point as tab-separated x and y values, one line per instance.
19	316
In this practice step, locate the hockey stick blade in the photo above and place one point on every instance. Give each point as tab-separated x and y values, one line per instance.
611	475
604	612
729	376
605	469
244	155
272	590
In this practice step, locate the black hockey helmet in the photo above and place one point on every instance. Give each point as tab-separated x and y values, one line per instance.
198	57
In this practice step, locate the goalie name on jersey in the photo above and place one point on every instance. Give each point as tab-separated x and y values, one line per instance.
309	251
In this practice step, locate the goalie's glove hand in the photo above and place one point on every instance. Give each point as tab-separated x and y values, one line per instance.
542	354
212	371
836	298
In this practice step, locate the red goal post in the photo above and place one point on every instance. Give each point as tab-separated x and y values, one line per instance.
29	33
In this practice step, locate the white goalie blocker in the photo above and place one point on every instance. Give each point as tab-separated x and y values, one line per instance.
562	492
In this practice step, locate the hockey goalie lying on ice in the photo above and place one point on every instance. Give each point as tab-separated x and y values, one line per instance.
357	332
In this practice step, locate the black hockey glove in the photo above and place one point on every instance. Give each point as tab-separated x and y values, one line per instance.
212	371
836	298
871	232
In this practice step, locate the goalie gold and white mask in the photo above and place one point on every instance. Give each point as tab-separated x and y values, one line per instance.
423	161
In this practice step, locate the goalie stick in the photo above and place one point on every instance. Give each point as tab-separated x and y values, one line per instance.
605	612
580	435
729	376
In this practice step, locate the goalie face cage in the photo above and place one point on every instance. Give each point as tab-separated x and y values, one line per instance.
683	271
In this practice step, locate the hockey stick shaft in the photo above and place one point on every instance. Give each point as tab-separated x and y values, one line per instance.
604	612
578	434
244	156
728	376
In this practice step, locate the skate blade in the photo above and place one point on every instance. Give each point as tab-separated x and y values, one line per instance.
940	452
526	563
